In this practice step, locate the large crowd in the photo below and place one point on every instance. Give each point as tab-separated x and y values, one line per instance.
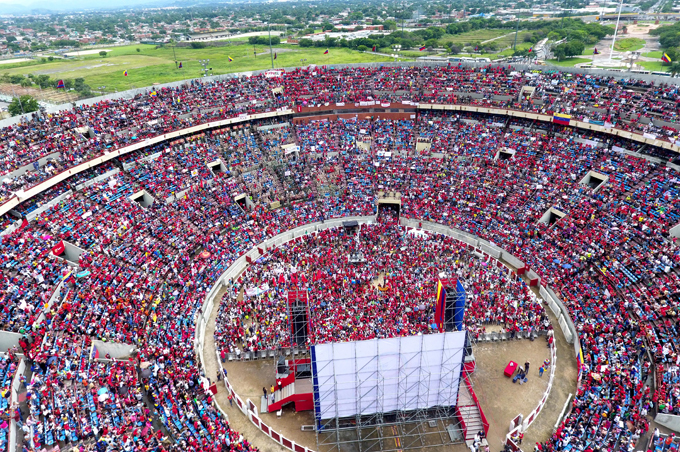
73	136
374	284
154	229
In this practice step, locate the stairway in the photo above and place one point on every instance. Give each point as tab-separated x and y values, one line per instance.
280	395
472	419
469	412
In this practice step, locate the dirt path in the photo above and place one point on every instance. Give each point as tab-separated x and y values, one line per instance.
237	419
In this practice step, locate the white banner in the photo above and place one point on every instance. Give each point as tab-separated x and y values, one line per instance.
255	291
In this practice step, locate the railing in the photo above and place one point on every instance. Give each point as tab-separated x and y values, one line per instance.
202	316
485	423
16	199
248	408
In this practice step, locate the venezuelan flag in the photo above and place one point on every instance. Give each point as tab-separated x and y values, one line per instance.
422	48
665	58
562	119
154	93
230	59
125	73
326	52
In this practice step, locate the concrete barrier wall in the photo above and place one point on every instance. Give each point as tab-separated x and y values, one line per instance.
31	166
109	155
31	216
102	177
230	275
669	421
115	350
9	340
534	414
285	111
675	231
13	437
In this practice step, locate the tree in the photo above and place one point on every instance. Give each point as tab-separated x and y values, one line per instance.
390	25
103	53
26	83
306	43
23	104
197	45
16	79
44	81
454	49
138	50
568	49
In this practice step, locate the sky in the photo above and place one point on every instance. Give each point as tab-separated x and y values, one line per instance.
28	6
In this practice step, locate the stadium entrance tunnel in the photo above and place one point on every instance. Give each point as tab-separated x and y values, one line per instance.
143	198
244	202
594	180
389	203
505	154
552	216
68	251
217	167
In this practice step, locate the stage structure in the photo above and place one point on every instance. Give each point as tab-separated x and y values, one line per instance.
299	318
450	305
388	394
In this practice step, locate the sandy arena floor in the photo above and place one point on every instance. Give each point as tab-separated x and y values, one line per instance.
501	400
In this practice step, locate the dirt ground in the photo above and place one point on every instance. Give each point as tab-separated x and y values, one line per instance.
634	31
48	95
500	399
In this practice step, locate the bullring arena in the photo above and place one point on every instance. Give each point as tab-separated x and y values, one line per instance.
354	258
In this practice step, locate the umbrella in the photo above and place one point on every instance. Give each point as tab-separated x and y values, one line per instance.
567	266
102	391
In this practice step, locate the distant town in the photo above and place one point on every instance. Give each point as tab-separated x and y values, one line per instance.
27	35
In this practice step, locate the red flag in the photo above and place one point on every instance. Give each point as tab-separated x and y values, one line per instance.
374	48
59	249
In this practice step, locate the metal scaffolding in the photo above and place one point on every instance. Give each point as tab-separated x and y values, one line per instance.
426	395
298	318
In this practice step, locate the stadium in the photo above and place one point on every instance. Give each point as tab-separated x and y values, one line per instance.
353	258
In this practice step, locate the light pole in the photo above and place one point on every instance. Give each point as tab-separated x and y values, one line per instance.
396	48
174	54
204	64
616	29
271	54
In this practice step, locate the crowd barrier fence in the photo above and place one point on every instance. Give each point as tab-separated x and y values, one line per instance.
243	261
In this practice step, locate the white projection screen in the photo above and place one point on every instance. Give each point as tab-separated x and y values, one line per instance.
384	375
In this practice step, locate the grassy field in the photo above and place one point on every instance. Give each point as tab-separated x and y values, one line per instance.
656	54
508	37
569	62
473	36
151	65
629	44
653	65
